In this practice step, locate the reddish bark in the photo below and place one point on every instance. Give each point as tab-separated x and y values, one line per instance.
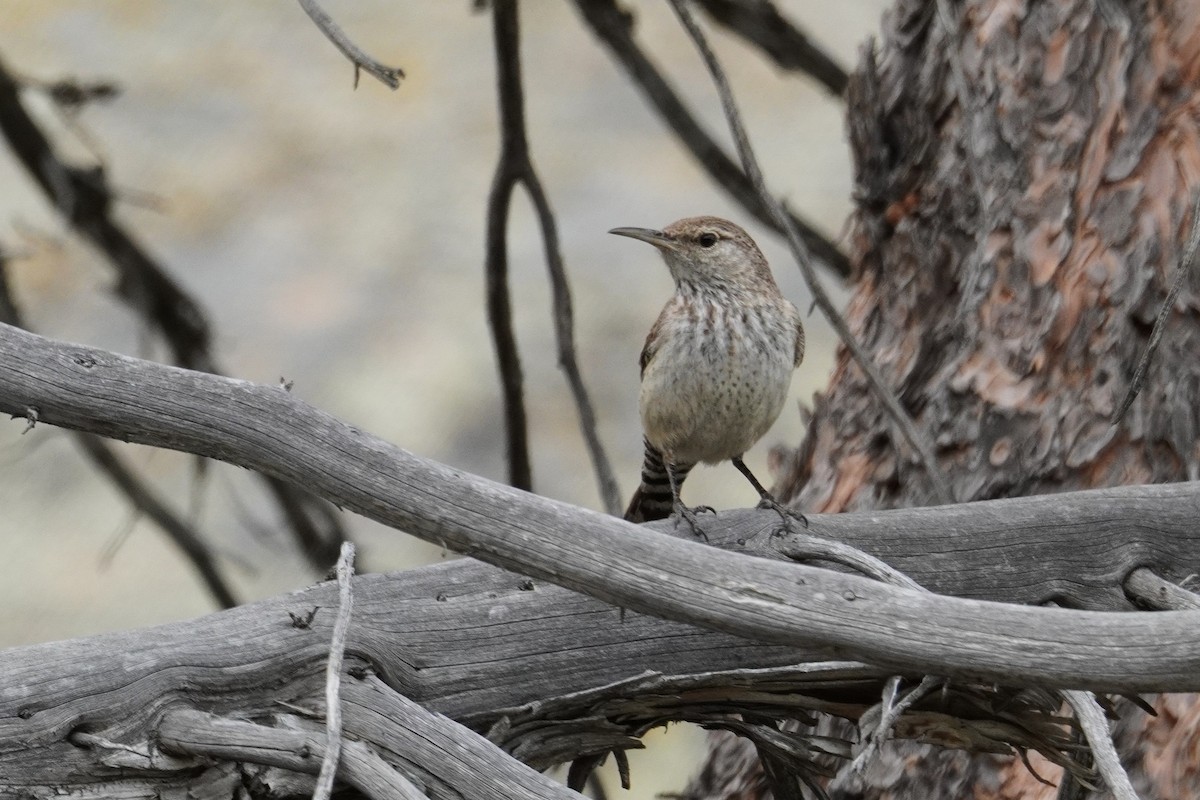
1024	180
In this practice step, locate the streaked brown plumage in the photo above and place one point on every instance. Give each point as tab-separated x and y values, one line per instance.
718	361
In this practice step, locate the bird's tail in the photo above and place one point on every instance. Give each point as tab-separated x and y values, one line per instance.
653	499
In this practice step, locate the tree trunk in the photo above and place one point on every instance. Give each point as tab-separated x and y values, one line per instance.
1024	182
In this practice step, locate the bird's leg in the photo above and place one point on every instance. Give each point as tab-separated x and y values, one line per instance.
682	511
767	500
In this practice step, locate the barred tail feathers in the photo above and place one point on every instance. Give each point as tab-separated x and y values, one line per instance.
653	499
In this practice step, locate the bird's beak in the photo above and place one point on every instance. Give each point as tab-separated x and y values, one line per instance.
657	238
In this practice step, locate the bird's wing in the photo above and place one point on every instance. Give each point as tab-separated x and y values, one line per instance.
651	345
799	341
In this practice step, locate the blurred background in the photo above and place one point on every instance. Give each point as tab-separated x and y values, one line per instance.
335	238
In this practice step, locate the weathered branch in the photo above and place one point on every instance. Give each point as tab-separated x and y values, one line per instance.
1095	729
415	745
918	440
333	676
265	429
612	26
389	76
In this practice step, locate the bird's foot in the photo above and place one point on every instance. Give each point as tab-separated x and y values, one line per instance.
682	512
787	515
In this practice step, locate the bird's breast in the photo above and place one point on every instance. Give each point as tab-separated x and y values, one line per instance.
718	379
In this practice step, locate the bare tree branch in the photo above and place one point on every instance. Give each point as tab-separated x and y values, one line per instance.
1095	729
83	198
760	23
516	167
774	602
448	759
499	302
389	76
919	443
333	676
612	26
204	735
147	502
1148	590
189	541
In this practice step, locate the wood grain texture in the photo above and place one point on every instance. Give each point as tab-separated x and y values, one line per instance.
267	429
464	638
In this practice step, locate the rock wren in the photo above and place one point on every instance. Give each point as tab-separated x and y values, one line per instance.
717	364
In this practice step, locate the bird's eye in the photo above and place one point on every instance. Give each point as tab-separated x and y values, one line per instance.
707	239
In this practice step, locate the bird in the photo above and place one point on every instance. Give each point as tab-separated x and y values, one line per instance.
716	366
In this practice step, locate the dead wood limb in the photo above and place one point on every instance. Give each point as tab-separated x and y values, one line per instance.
1094	725
1148	590
271	431
333	676
393	745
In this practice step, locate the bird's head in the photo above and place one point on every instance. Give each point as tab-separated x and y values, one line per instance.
707	252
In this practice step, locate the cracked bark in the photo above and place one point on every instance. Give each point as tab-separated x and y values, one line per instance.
1024	176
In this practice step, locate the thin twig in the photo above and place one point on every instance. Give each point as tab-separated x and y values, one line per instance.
516	167
806	547
612	26
890	710
190	543
182	535
750	164
1095	727
1185	267
333	675
83	199
564	331
1148	590
761	23
389	76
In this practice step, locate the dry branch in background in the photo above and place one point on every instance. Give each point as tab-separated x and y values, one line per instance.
83	199
516	167
140	494
761	23
613	26
389	76
1186	265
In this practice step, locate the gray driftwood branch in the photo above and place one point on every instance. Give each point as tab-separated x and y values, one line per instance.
462	638
269	430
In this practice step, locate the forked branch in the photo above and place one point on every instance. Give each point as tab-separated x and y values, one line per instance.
516	167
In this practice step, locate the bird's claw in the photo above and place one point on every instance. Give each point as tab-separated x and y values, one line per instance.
682	512
786	515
